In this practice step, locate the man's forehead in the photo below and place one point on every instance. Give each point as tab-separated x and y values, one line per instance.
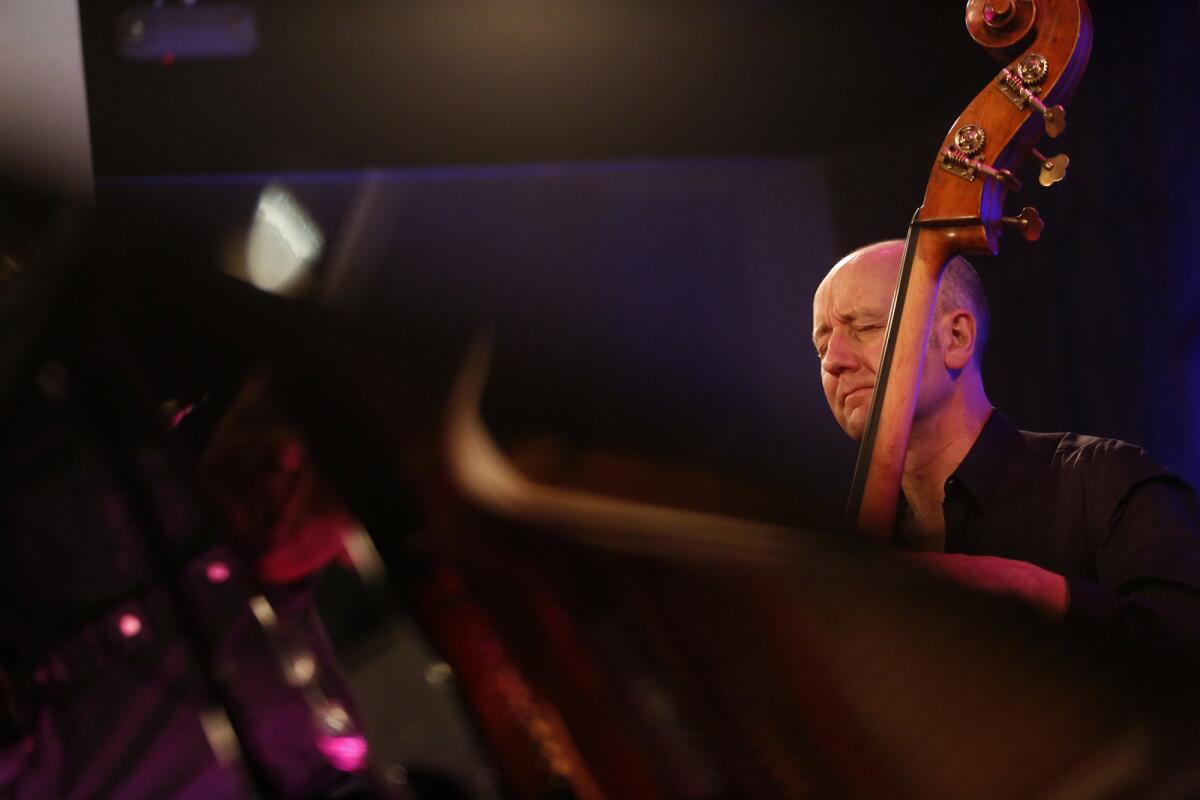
859	287
855	286
878	264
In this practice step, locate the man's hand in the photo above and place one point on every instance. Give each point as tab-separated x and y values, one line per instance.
1040	588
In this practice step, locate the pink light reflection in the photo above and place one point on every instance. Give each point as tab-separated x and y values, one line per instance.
129	625
217	572
346	753
179	414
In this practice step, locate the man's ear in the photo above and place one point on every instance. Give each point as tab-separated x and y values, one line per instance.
959	341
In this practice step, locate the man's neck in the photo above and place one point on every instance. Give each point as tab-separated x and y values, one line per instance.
938	444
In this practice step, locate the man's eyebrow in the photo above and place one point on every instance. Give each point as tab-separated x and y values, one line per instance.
856	314
865	313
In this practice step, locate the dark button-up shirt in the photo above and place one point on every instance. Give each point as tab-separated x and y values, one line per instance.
1121	528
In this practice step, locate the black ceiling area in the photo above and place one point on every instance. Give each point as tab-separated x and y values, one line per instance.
418	82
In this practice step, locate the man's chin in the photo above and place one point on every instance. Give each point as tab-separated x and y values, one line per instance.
854	425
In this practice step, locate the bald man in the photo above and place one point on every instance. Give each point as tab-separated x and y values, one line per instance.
1075	525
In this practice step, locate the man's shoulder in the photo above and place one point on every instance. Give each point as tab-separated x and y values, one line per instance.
1080	445
1093	456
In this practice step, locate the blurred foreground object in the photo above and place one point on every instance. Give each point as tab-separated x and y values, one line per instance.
284	514
45	135
141	657
647	652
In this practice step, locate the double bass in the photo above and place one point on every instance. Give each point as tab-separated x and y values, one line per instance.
1044	46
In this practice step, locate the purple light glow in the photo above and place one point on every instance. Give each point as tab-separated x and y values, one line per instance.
167	34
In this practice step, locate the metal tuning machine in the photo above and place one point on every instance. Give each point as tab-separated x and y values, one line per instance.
959	158
1051	169
1029	223
1021	82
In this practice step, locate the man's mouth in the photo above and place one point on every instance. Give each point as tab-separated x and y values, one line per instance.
854	392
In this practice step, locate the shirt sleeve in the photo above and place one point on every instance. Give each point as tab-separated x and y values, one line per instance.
1163	617
1148	569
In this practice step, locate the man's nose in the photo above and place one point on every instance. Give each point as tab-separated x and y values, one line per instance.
839	355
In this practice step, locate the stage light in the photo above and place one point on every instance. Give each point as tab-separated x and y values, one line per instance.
284	242
187	32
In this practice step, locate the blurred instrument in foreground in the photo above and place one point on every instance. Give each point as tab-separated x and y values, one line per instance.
620	649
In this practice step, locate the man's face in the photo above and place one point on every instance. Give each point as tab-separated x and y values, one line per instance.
850	312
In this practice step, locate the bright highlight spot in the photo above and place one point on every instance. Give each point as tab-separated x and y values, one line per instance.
130	625
346	753
284	242
217	572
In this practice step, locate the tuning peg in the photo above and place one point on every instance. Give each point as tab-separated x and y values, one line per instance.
1051	168
1027	222
1055	117
1021	86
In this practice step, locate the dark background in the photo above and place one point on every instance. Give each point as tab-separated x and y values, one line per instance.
643	195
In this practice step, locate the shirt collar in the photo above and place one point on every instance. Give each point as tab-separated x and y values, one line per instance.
978	471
